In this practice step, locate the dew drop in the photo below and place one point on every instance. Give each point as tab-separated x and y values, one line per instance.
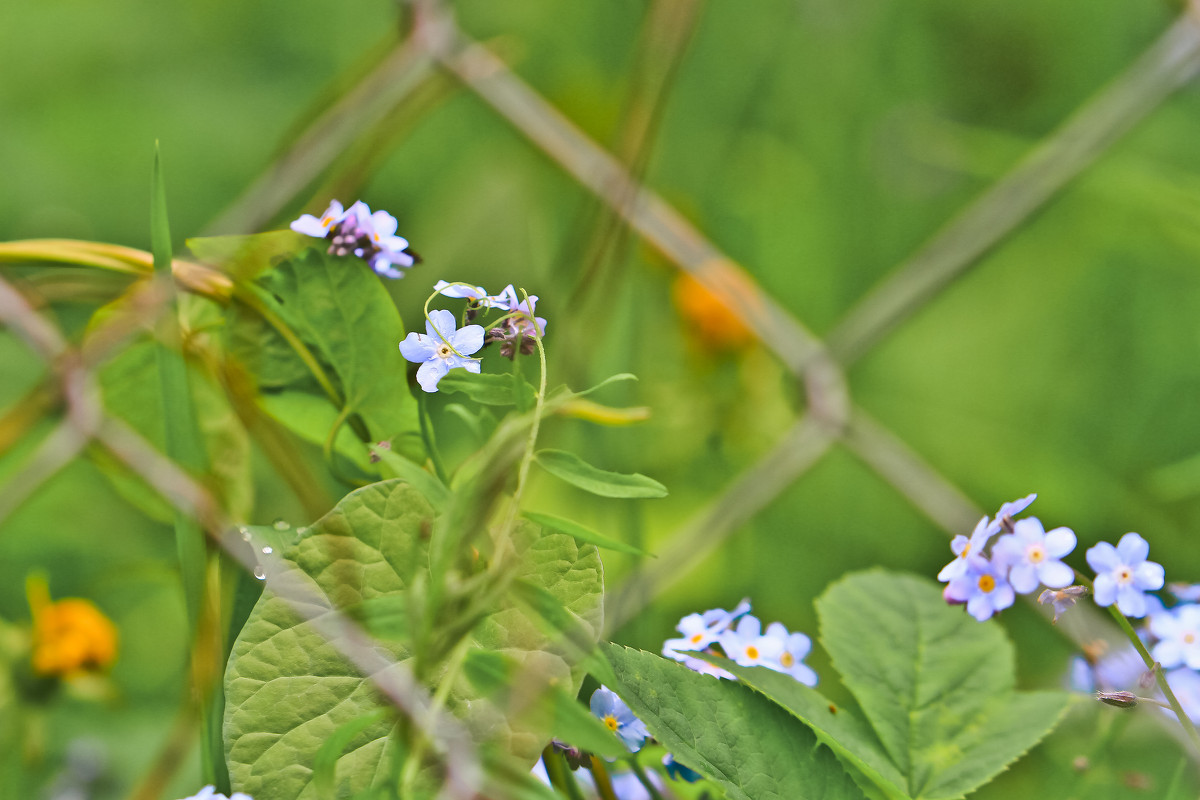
281	524
245	532
268	550
259	572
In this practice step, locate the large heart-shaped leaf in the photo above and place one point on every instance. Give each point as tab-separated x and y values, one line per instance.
289	689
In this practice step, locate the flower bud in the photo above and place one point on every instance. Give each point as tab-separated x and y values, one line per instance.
1118	699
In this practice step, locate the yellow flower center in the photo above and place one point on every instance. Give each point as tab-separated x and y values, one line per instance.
751	651
1124	575
445	350
1036	554
696	638
787	660
986	583
611	722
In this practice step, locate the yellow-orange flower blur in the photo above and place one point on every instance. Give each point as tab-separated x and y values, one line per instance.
70	636
708	317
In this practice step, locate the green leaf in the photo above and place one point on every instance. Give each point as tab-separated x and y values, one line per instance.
566	718
338	308
312	417
582	533
289	690
425	482
185	446
935	685
488	389
325	763
728	732
577	472
246	257
849	737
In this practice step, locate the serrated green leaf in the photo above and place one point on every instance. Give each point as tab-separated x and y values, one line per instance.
935	685
289	690
728	732
488	389
577	472
849	737
582	534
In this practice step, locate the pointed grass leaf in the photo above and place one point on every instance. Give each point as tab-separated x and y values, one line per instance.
290	690
936	686
728	732
582	534
849	737
577	472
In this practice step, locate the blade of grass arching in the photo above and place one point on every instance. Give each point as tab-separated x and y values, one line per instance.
1170	63
184	446
405	68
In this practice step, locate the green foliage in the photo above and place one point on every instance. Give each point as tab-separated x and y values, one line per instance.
290	690
582	533
728	732
321	324
489	389
936	686
577	472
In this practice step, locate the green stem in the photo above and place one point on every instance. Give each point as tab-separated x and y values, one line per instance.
560	774
427	437
604	786
644	778
538	410
1161	678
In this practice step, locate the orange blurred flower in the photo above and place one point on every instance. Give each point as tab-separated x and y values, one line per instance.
708	317
70	636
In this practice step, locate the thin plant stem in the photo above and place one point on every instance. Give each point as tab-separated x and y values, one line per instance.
559	774
644	778
604	786
538	409
1161	678
427	438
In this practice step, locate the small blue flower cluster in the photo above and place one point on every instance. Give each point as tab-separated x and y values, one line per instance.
1028	556
443	347
370	236
741	638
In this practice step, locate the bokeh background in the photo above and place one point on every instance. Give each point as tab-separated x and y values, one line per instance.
818	144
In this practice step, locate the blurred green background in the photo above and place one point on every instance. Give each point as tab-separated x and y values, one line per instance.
816	142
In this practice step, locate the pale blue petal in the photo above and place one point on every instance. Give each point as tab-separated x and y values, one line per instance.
429	373
1133	549
468	340
417	348
1054	574
440	325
